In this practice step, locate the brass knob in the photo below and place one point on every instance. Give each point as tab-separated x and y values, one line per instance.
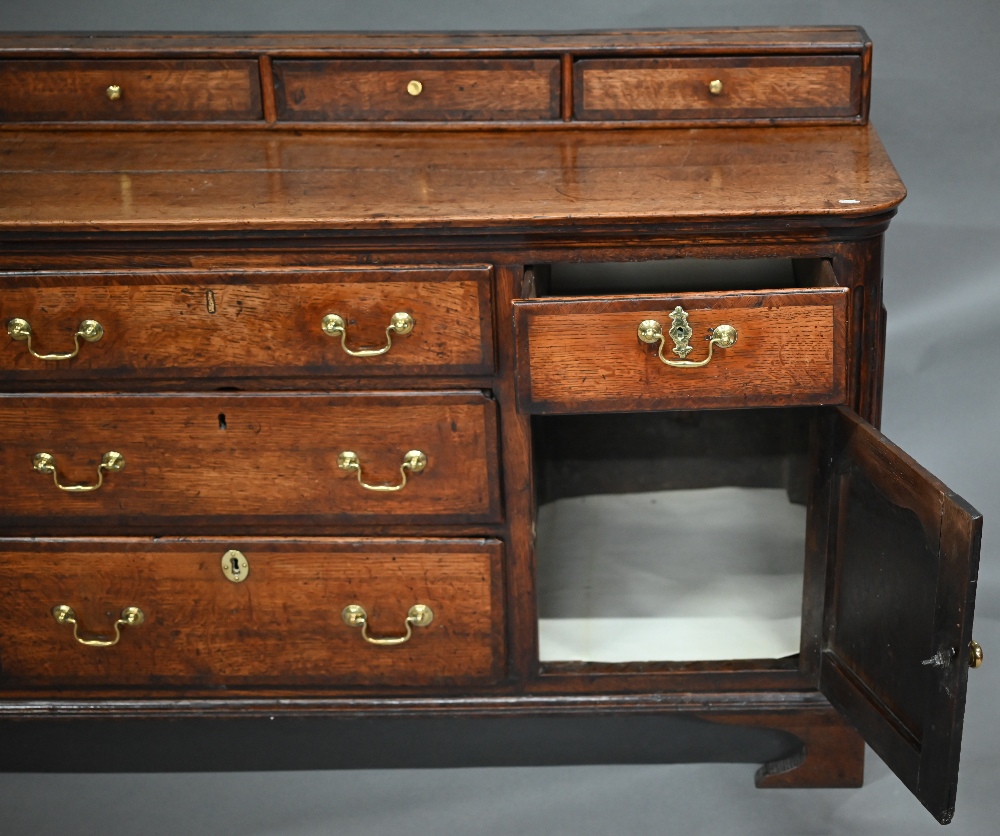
414	88
114	92
715	87
975	654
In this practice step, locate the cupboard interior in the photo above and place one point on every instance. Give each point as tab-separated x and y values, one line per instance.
671	536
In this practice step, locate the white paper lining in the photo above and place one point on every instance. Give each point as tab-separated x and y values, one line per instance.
686	575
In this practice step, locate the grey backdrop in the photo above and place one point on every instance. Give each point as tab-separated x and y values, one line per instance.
935	103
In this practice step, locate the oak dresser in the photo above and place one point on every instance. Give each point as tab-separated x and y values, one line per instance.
381	400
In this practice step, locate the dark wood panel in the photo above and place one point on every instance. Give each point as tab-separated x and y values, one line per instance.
256	459
148	90
250	323
902	562
718	88
584	355
455	90
281	625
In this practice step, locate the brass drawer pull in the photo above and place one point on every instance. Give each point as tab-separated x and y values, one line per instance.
130	617
420	615
650	331
19	330
715	87
415	88
333	325
414	461
976	655
111	462
114	92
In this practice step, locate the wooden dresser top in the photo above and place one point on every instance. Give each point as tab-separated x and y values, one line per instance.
278	180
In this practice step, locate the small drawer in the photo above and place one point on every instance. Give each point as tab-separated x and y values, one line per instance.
725	89
766	348
418	90
129	90
151	463
285	323
165	615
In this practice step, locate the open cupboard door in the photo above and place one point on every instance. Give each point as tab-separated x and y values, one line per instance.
902	555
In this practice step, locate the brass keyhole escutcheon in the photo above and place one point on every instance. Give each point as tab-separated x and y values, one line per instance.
414	88
235	566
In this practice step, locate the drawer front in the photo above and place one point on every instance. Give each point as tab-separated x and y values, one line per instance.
187	324
281	626
585	355
724	89
209	462
421	90
129	90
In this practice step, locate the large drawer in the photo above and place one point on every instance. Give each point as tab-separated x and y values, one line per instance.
587	355
123	90
772	88
281	323
281	625
208	462
417	90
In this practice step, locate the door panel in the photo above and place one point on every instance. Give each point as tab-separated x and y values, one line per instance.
902	558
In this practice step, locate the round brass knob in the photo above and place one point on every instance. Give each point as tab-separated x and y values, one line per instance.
114	92
975	654
715	87
414	88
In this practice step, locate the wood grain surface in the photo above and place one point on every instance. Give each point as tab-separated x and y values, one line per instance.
452	90
257	459
191	90
262	181
281	626
194	324
583	355
773	87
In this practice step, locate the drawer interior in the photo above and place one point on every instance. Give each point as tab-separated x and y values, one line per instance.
670	537
678	275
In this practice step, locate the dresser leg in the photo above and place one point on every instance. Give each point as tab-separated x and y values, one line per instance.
832	755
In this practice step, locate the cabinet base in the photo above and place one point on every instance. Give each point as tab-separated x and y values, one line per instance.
810	747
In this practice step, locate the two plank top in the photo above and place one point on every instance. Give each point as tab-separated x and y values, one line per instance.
204	180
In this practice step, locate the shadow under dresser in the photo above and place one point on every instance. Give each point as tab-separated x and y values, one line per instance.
434	400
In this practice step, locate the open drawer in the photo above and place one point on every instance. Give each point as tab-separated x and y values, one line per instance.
682	350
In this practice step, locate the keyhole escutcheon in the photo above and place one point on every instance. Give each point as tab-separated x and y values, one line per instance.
235	566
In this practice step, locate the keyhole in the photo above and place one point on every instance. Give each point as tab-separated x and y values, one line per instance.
222	420
234	563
